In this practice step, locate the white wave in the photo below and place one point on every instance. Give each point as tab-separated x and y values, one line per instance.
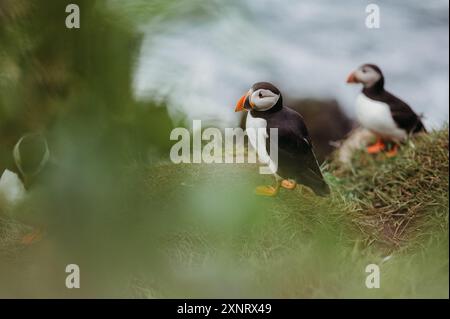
202	65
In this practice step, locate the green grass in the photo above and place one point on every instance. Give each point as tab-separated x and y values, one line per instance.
299	245
400	201
199	231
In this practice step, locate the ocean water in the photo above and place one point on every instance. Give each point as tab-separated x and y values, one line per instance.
201	56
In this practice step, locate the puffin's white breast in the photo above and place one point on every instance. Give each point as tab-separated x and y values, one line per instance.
256	129
376	116
11	188
252	125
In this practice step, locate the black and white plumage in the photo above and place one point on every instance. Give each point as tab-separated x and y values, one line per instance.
381	112
296	159
31	155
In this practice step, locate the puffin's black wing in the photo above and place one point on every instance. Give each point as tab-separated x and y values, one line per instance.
296	159
401	112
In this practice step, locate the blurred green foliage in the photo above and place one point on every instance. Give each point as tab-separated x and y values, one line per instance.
72	82
74	86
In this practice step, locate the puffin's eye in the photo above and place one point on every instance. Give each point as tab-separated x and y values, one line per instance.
260	95
364	70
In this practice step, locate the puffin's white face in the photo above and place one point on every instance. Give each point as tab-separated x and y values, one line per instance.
263	100
261	97
366	75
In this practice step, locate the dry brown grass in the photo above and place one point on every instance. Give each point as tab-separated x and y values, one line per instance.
398	200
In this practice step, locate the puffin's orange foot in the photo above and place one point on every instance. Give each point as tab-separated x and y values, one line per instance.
377	147
266	191
288	184
393	151
33	237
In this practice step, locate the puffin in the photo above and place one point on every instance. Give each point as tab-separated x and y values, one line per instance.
382	113
296	160
31	156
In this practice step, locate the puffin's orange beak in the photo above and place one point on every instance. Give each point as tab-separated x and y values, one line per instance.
240	103
352	78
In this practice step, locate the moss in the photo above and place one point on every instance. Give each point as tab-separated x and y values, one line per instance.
397	199
200	232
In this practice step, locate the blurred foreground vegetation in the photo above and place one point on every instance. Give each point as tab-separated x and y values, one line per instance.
198	231
139	226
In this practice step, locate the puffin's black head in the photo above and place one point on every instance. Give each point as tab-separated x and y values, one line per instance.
262	96
368	74
31	153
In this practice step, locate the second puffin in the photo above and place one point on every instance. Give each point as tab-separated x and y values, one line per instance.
296	160
384	114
